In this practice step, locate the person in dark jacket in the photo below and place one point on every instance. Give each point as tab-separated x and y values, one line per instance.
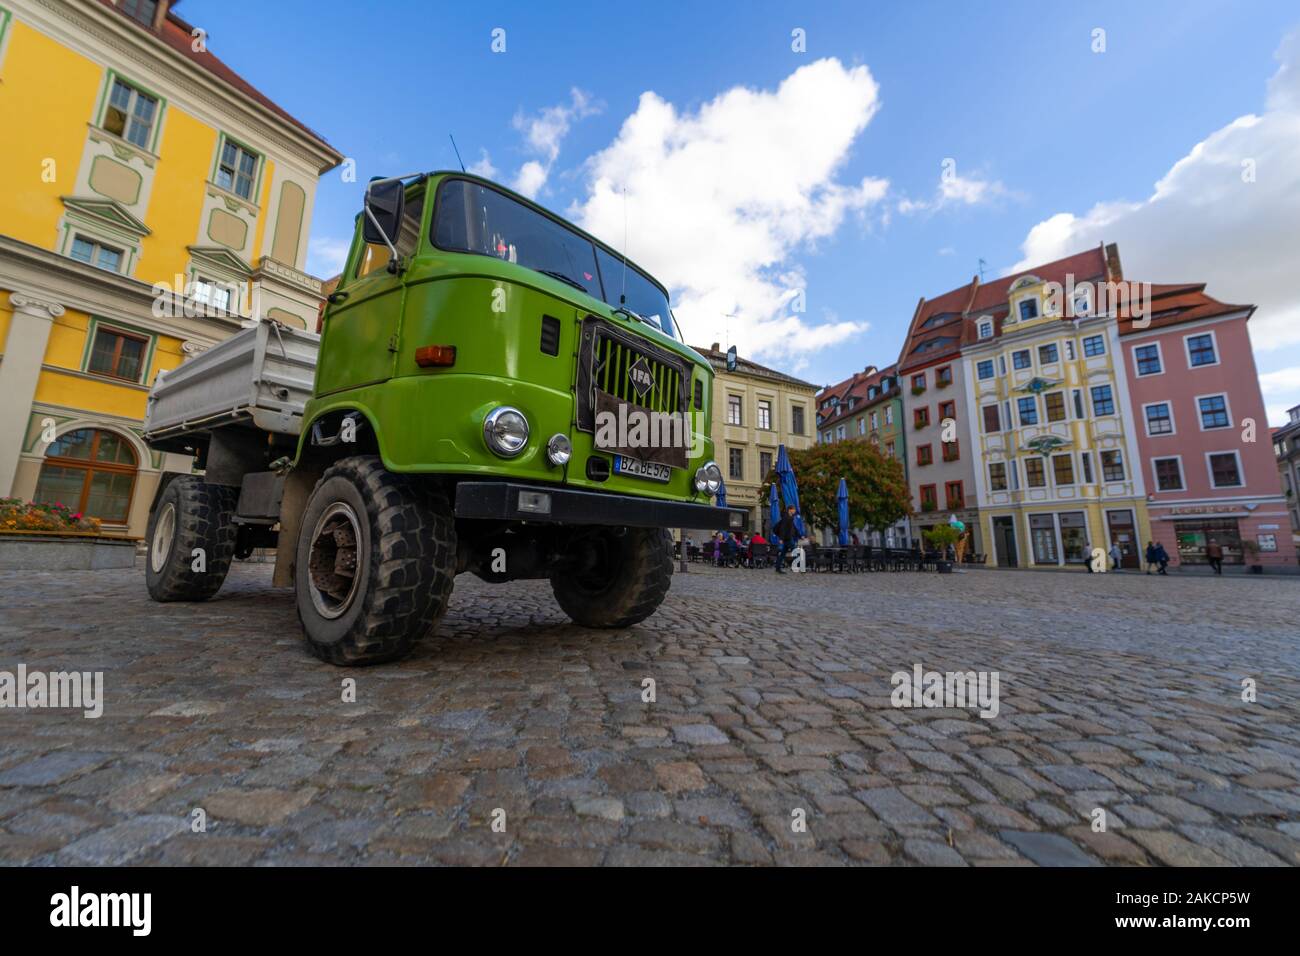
1151	556
785	534
1214	555
1162	559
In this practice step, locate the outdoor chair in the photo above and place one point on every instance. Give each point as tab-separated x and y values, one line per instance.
760	555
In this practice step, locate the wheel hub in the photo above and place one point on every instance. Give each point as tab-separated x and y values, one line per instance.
332	561
163	534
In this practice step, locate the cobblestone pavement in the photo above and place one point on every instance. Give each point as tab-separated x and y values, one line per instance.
1119	692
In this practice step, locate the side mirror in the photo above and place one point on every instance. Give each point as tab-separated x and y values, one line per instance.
385	203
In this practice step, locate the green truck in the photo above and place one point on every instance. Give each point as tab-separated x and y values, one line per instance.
471	403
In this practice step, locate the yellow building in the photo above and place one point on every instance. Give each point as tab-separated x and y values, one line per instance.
153	200
1058	472
755	410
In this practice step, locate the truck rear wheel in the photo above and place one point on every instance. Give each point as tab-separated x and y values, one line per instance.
619	580
376	560
191	539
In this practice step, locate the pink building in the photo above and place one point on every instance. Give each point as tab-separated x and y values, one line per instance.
1203	434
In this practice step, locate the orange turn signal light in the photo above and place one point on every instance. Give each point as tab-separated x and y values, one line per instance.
435	356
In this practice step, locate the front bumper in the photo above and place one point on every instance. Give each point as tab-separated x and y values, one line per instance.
500	501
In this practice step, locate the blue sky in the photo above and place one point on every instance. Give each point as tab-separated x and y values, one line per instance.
1036	122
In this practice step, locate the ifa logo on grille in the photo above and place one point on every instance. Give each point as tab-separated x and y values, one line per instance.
639	375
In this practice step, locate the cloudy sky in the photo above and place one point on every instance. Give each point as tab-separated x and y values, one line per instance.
799	179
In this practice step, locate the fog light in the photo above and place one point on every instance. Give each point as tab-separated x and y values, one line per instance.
708	478
558	449
535	502
505	431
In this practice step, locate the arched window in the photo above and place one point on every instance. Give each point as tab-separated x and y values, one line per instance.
92	472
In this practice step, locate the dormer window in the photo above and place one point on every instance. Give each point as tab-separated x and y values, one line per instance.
986	329
1082	301
1028	309
142	11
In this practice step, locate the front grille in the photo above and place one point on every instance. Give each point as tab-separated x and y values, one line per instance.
607	354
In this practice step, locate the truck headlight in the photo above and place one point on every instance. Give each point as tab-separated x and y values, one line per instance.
708	478
505	431
558	449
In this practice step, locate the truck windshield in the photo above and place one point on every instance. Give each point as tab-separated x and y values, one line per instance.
473	218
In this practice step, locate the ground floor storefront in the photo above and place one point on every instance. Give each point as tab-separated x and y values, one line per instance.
927	521
1250	532
1065	535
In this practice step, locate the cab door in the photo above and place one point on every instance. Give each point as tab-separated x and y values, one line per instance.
363	321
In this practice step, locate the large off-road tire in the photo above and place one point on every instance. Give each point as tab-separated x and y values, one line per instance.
190	514
375	563
624	584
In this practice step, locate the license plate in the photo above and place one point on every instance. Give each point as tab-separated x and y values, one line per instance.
636	468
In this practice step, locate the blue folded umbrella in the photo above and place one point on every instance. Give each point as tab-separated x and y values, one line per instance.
722	494
842	499
789	487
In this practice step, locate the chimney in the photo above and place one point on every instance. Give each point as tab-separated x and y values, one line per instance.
714	346
1114	271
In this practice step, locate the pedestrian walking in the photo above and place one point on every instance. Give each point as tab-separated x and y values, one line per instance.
785	535
1116	556
1151	556
1162	559
1214	555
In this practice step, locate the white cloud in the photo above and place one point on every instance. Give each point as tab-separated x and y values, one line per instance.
1205	222
327	255
483	167
719	199
543	133
955	190
1283	380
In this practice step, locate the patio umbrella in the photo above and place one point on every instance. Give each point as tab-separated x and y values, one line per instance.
722	494
789	487
774	501
842	499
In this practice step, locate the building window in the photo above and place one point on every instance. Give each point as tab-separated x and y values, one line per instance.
1112	466
1078	403
1069	349
889	449
733	410
997	476
1063	469
929	497
1020	359
918	382
1035	476
1028	309
237	169
947	410
1028	409
1225	470
955	495
984	369
1055	402
1086	458
130	114
862	426
1103	400
839	432
796	419
1094	345
1074	536
1169	474
1201	351
921	416
736	463
764	465
943	376
992	422
97	254
875	421
207	292
1048	354
952	451
1160	419
924	454
141	11
91	472
118	354
765	415
1147	358
889	415
1082	300
986	330
1214	412
1042	532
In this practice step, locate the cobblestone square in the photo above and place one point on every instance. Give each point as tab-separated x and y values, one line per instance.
1118	692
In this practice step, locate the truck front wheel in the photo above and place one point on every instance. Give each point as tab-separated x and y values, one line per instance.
191	539
375	563
615	577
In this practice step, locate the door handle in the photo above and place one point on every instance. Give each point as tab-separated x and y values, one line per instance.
335	298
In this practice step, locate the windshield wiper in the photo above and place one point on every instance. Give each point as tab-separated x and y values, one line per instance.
563	278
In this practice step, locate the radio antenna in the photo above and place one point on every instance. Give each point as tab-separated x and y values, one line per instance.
453	146
622	296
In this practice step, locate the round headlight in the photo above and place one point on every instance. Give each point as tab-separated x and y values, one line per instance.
708	478
505	431
558	449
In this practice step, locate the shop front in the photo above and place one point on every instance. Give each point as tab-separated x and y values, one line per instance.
1195	536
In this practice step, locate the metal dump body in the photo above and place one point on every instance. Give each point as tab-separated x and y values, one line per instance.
259	377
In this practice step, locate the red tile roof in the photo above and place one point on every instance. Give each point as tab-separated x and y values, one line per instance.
853	388
1176	304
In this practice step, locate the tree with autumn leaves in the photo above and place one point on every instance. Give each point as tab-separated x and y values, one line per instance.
878	492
